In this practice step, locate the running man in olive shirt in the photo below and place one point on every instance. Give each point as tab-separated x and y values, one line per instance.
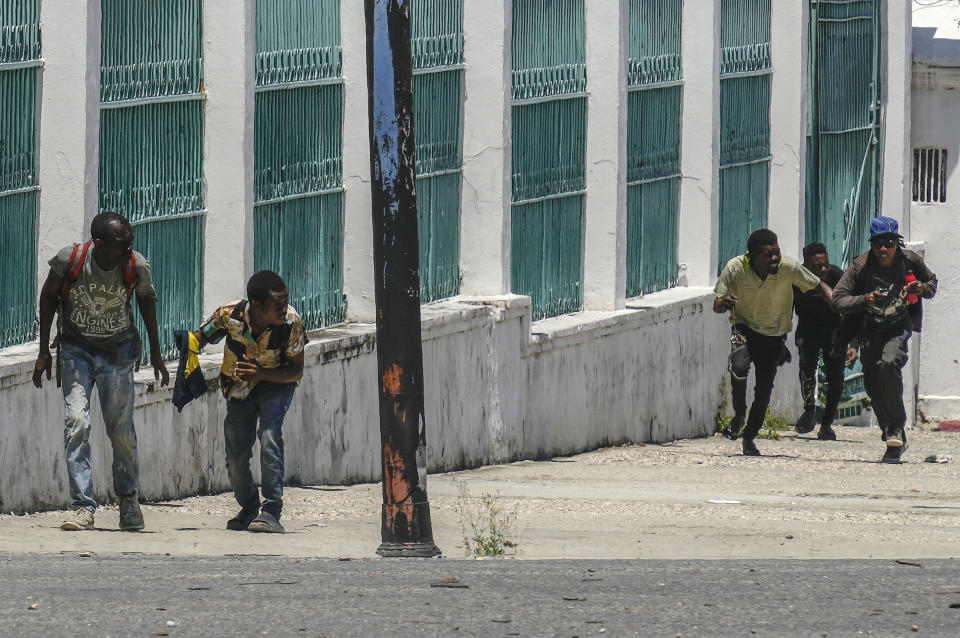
757	289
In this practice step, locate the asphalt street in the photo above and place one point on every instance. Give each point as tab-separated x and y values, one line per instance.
146	595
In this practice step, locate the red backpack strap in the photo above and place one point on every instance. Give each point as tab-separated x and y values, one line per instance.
74	266
129	272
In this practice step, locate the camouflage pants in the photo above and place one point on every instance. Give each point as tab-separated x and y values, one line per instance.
810	348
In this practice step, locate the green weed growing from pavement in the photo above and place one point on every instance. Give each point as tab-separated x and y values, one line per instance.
773	425
488	526
722	419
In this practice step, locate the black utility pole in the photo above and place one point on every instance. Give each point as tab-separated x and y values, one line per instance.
405	529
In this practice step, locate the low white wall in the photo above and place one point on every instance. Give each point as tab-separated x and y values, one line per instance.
495	392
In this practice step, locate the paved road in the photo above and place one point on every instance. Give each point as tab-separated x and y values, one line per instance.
145	595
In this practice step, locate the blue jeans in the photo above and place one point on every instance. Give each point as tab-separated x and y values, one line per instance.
270	402
80	371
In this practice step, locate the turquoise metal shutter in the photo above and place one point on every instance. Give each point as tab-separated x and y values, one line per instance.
655	102
151	146
19	62
844	158
437	46
298	154
745	73
549	154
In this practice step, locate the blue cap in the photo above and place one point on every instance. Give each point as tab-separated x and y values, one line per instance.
884	226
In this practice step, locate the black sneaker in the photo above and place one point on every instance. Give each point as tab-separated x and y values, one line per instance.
242	520
826	433
750	448
732	429
894	453
806	422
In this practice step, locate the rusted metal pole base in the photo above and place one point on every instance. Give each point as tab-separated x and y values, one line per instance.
406	530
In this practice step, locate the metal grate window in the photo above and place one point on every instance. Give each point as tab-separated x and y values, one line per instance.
653	144
745	73
844	127
549	154
151	146
298	154
19	64
929	184
437	45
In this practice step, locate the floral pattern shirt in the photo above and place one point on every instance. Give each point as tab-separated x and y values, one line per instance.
271	349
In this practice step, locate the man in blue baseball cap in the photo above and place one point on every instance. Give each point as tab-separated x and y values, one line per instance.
882	289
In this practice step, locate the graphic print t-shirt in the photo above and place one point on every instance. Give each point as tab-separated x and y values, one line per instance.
97	313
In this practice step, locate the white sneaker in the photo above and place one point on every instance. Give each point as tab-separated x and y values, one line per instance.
81	518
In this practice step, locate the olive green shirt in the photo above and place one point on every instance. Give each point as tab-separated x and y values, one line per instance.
764	305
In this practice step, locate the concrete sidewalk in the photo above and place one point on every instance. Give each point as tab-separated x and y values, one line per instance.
690	499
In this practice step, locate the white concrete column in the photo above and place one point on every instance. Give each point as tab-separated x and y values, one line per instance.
605	232
358	222
788	124
487	162
897	56
699	224
229	54
69	125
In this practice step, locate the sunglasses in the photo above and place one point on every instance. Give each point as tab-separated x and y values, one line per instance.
886	243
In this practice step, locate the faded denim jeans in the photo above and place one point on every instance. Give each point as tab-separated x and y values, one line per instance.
81	370
269	402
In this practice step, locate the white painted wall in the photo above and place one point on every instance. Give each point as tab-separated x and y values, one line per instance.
788	123
487	161
69	126
494	393
699	227
229	57
605	212
357	198
934	117
934	105
896	134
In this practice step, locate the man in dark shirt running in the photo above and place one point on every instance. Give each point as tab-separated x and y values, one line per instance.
817	328
884	285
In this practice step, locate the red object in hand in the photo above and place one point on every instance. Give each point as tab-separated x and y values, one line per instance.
911	298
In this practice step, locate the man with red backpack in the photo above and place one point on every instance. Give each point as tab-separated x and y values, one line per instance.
89	287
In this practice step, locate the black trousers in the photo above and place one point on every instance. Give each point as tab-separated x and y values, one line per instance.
810	347
883	353
766	354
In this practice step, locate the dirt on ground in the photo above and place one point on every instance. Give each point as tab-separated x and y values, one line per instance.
700	498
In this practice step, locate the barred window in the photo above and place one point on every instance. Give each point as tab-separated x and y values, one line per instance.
549	119
930	175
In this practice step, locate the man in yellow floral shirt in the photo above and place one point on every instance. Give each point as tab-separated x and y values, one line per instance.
262	363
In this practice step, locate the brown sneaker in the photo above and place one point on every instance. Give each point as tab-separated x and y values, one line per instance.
79	519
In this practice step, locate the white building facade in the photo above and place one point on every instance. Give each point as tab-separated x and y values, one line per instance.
584	167
935	196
